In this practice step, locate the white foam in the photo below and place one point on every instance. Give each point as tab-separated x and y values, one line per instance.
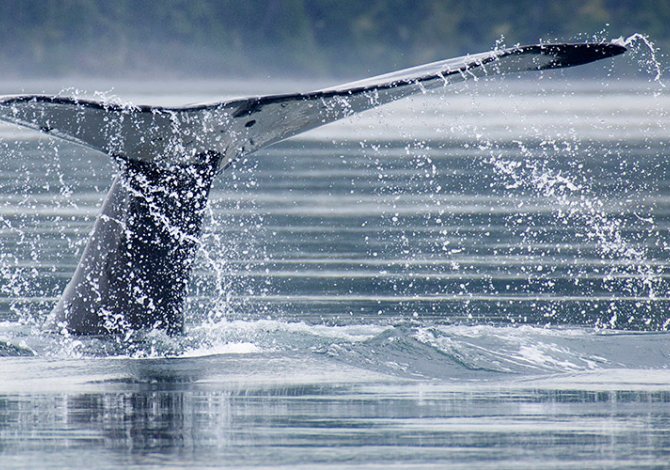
219	349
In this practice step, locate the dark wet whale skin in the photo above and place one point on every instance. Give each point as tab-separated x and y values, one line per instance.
135	268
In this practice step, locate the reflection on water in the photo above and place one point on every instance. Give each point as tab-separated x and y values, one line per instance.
282	410
394	425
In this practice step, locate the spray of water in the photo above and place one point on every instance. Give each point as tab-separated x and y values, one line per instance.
628	270
620	236
639	43
228	249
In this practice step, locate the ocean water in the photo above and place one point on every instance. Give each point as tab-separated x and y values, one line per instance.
476	277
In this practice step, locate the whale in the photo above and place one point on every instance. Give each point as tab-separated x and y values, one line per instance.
134	270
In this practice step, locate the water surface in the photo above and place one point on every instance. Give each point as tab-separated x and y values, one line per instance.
477	277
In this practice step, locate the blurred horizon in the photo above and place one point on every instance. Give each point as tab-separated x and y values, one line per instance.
292	38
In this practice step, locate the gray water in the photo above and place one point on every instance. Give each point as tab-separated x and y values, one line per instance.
477	277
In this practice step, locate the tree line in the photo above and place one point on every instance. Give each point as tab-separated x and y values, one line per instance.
286	37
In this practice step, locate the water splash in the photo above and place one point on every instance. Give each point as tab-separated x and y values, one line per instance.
628	270
639	42
229	250
623	234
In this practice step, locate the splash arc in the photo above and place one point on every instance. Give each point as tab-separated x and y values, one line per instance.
134	270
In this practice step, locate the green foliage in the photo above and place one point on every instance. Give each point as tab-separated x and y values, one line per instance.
315	37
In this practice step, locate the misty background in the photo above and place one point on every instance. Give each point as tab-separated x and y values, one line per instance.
285	38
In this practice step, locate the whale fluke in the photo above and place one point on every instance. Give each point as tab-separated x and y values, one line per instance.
237	127
134	270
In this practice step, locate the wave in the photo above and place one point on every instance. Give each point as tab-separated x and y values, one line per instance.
404	351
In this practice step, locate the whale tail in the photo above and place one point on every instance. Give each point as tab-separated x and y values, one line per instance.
135	268
236	127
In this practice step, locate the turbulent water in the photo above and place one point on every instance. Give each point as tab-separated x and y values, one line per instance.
477	277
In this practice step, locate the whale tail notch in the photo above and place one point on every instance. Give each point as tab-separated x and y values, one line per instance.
135	268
